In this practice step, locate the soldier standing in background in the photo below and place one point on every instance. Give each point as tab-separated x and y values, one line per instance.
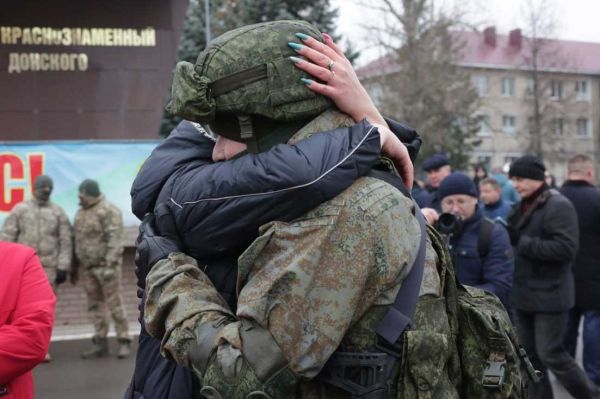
44	226
98	231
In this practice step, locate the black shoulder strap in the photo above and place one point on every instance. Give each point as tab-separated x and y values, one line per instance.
485	237
398	316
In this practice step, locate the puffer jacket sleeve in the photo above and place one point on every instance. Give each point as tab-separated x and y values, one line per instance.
185	144
220	207
498	265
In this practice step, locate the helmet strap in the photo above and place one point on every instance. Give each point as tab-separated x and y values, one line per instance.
247	133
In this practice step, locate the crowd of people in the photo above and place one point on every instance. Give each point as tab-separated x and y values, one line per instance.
539	256
281	256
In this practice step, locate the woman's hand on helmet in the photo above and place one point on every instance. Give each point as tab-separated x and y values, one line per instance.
337	78
327	62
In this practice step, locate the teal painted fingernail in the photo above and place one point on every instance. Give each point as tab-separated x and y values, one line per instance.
307	82
296	60
302	36
295	46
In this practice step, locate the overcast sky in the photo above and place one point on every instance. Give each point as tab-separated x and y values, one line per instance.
576	20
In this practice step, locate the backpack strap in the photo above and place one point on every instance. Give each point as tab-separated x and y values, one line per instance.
484	241
397	318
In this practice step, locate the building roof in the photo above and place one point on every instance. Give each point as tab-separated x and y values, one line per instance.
490	50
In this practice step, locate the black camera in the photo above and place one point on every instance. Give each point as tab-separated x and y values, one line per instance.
448	224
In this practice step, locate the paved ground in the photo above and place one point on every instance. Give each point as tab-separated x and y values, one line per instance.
70	377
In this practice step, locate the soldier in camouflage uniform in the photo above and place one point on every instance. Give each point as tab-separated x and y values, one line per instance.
43	225
98	231
307	288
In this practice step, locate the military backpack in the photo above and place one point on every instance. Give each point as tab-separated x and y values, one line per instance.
460	344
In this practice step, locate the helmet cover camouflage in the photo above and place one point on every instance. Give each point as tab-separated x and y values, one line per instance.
247	71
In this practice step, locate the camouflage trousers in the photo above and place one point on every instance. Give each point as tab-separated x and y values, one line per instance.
105	292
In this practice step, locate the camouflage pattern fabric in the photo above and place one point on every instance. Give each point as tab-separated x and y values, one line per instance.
98	233
308	282
102	291
277	94
486	334
45	227
482	332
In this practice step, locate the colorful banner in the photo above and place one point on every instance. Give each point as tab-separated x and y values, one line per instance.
113	164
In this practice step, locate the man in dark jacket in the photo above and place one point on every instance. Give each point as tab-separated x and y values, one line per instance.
492	272
544	234
585	197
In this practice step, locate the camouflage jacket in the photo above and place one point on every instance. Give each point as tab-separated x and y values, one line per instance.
43	226
98	232
319	283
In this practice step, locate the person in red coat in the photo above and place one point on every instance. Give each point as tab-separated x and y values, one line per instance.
26	318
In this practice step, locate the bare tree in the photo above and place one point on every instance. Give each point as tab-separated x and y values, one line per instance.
546	97
427	88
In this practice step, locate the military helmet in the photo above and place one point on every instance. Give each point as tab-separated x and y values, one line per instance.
244	75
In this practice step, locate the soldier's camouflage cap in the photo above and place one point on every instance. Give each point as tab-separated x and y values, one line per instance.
244	73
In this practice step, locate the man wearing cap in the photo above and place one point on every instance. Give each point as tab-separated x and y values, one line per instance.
491	271
437	167
98	231
544	233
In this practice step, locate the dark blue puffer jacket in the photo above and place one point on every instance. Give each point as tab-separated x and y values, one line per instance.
218	208
494	272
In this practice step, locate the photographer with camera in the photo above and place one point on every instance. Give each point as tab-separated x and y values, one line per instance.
481	249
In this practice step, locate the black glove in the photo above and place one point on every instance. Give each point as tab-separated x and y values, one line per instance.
151	246
61	277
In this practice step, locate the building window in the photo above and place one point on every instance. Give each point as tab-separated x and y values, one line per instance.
559	126
508	87
583	127
482	85
485	128
529	87
509	124
556	91
582	90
